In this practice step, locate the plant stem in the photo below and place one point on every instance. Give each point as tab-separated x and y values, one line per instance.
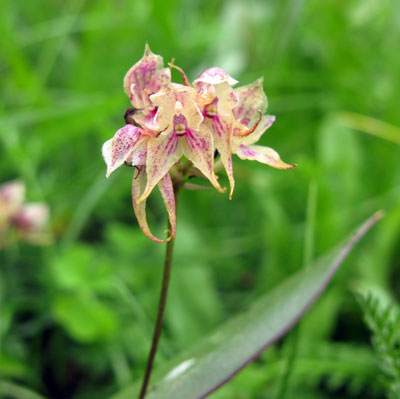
162	302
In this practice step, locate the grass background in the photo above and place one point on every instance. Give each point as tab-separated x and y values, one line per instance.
76	317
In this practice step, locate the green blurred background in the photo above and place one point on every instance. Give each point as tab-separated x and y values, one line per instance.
76	316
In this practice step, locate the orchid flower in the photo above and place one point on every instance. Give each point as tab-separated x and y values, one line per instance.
180	120
28	220
169	121
235	118
12	196
129	144
252	103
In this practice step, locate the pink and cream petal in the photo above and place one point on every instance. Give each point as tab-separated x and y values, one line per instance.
198	146
138	185
213	76
244	137
221	126
252	100
227	98
139	153
147	119
145	78
190	109
164	102
176	99
162	153
262	154
167	192
117	150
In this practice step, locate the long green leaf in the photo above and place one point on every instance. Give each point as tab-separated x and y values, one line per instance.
202	369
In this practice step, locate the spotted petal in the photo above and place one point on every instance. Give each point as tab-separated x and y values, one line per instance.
145	78
262	154
252	101
167	192
214	76
118	149
162	153
199	148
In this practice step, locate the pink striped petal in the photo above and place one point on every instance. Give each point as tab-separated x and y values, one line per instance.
138	185
162	153
118	149
262	154
167	192
252	101
221	126
198	146
145	78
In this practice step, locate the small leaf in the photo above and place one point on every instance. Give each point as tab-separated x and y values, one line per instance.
208	365
85	318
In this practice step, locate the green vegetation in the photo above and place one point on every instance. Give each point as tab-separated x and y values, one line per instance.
77	316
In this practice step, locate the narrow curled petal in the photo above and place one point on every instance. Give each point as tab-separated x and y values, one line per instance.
167	192
162	153
145	78
138	184
214	76
252	100
221	126
262	154
198	147
118	149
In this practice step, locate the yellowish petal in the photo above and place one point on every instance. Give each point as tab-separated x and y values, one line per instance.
221	127
198	146
162	153
167	192
264	155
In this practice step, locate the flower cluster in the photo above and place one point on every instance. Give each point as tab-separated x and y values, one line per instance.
170	120
19	219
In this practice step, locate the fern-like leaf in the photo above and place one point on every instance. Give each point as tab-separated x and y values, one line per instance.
384	323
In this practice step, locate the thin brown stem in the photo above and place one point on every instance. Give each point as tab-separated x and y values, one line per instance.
162	303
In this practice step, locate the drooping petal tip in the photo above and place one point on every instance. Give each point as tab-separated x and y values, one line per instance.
166	188
264	155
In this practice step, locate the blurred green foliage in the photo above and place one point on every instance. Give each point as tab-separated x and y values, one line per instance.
76	317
